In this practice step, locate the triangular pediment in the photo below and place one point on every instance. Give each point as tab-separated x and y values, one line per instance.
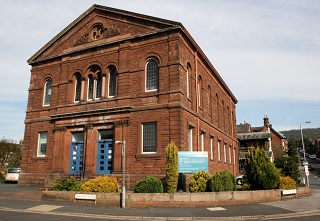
100	25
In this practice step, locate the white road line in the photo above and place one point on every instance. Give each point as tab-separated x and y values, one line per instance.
43	208
216	209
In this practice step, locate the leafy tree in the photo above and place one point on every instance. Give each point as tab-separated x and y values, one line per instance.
261	173
291	168
172	174
10	154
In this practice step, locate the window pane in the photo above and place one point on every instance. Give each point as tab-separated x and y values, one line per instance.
99	86
90	87
47	93
149	137
77	88
112	83
152	75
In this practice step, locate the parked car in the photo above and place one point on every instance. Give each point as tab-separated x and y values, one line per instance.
239	179
12	175
310	167
312	156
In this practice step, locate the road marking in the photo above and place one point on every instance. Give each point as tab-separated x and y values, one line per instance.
43	208
216	209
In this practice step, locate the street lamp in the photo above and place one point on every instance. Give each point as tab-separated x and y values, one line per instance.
123	195
304	151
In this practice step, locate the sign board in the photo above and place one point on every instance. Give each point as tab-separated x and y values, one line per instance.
192	161
306	170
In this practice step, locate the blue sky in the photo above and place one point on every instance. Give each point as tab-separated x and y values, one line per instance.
268	52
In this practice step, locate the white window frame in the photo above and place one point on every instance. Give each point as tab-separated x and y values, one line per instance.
211	148
230	157
42	140
109	81
75	88
202	140
187	76
47	93
190	140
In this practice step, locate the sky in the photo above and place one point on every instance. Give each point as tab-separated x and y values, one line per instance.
267	52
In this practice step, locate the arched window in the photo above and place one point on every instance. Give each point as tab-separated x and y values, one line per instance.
199	89
90	86
112	82
152	76
47	93
77	91
99	86
209	101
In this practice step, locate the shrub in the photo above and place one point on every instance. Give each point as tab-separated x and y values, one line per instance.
279	162
287	183
291	168
102	184
261	173
222	181
70	184
149	184
172	174
198	181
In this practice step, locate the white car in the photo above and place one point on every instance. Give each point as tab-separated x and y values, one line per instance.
312	156
12	175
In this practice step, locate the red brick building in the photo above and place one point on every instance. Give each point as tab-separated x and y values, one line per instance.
113	75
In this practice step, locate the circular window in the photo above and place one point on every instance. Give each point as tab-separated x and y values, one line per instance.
96	32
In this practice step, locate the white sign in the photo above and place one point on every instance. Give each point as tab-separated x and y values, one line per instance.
306	170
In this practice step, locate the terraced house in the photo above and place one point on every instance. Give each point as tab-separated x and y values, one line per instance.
113	75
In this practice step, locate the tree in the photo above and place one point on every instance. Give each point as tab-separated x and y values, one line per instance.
172	174
261	173
10	154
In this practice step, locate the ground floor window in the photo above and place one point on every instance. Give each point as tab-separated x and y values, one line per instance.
42	144
149	137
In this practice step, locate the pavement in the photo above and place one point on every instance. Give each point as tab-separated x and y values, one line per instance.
28	200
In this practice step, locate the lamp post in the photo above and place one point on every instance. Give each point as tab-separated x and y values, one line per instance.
304	151
123	194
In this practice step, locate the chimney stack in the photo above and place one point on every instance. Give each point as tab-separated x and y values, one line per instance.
266	121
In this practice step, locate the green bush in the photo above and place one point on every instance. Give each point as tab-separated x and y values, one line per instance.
261	173
279	162
149	184
287	183
198	181
70	184
291	168
172	174
102	184
222	181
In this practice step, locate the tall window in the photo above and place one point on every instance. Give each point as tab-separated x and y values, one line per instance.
47	93
99	85
219	153
211	148
90	86
112	82
152	76
230	157
224	153
202	140
77	94
187	78
149	137
190	131
199	88
42	144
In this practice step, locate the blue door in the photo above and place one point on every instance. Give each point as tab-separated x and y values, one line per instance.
104	158
76	153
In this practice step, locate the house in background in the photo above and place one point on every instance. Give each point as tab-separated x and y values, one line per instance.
113	75
265	136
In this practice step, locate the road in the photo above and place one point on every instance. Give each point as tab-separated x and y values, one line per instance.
23	203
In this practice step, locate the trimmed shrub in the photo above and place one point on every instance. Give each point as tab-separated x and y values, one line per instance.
222	181
172	174
102	184
261	173
70	184
198	181
149	184
287	183
291	168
